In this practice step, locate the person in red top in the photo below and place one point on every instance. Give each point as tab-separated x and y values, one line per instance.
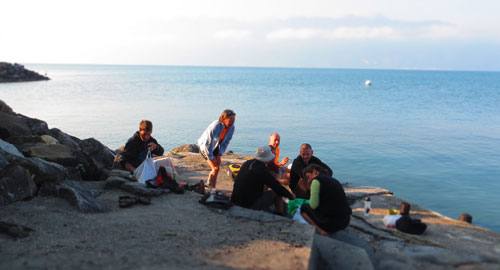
274	143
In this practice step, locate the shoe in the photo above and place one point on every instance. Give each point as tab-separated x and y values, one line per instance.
211	198
143	200
126	201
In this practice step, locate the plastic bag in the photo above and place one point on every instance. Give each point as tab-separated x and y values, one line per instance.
390	220
298	216
146	170
169	167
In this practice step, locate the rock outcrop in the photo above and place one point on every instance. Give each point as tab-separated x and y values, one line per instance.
31	155
17	73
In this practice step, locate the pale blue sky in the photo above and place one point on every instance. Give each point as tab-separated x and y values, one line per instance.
390	34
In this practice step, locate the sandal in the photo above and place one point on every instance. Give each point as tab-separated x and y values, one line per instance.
126	201
143	200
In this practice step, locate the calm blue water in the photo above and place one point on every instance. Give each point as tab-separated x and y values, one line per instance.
432	137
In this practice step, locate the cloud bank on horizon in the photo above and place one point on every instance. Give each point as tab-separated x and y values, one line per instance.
390	34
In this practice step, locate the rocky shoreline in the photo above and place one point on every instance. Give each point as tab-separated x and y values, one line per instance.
17	73
59	209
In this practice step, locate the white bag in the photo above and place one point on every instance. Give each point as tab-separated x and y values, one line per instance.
298	216
146	170
390	220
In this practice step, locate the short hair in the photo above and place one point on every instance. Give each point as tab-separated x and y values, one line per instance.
146	125
225	114
306	146
311	167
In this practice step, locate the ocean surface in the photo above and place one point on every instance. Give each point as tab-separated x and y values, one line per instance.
432	137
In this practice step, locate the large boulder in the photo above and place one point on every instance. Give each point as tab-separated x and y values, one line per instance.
98	152
37	127
64	138
16	184
14	125
5	108
84	199
41	170
9	149
193	148
57	153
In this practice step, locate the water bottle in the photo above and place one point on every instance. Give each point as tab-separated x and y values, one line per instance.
368	205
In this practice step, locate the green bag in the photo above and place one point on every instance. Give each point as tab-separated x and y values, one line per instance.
294	204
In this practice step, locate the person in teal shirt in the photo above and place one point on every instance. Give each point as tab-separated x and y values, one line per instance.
328	210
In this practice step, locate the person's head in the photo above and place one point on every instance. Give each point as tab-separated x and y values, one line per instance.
264	154
227	117
145	130
274	140
310	172
306	152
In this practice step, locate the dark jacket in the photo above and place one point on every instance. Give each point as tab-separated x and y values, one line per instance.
332	199
250	182
299	165
136	150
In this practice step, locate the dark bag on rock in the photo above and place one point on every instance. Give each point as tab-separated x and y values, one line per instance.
410	225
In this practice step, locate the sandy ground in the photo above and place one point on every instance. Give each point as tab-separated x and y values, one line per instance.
174	232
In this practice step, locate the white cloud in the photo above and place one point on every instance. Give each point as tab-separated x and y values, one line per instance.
232	34
345	33
440	31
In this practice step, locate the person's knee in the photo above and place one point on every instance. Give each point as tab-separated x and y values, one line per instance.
215	169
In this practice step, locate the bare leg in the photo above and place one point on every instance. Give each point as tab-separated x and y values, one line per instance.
308	219
215	167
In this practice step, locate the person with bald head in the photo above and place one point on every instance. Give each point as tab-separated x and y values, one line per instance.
304	158
274	141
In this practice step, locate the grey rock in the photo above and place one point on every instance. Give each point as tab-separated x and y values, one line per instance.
328	253
37	126
15	185
9	148
141	189
43	171
193	148
84	199
57	153
5	108
98	151
14	230
123	174
115	182
49	139
3	162
64	138
15	125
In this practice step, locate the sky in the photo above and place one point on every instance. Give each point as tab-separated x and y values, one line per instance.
383	34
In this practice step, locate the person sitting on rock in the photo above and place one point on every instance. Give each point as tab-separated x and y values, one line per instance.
278	166
304	158
253	177
136	148
328	209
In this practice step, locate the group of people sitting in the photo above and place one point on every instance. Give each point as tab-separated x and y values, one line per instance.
263	182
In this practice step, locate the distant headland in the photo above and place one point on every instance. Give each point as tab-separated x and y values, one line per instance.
17	73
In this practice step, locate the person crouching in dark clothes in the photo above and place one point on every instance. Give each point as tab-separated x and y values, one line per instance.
248	189
328	209
137	146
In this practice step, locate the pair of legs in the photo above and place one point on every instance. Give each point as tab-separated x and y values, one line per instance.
215	167
324	225
267	199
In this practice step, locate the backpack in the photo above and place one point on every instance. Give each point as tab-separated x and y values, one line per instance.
410	225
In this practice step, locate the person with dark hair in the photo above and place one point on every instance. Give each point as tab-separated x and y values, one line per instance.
304	158
253	177
136	148
328	209
214	142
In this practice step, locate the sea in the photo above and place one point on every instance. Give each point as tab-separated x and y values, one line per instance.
431	137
